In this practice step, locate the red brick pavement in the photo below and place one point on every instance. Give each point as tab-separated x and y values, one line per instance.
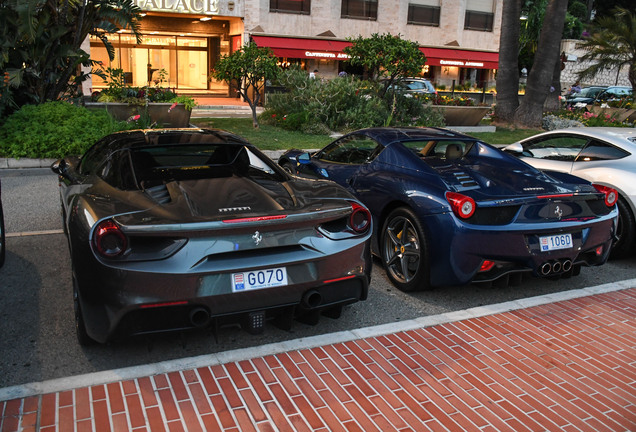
565	366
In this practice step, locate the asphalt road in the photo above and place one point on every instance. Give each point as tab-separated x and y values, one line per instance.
36	316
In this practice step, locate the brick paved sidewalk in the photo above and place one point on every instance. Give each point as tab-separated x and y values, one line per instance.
564	366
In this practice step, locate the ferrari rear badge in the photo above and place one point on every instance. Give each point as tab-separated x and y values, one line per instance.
257	237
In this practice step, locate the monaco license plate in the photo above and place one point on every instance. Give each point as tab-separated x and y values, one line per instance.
555	242
258	279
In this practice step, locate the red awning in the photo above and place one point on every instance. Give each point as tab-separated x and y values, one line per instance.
290	47
303	48
461	58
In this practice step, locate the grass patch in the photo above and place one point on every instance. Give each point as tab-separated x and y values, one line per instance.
268	137
505	136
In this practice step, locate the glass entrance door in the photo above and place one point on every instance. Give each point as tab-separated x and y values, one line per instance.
179	62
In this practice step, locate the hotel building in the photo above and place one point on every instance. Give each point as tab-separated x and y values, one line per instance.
183	39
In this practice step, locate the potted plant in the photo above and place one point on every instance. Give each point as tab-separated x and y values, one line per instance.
149	106
459	111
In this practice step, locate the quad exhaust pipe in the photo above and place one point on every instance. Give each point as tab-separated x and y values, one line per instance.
555	267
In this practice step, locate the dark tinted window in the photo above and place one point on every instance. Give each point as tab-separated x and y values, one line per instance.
292	6
597	150
355	149
444	149
159	164
478	21
563	148
96	156
424	15
360	9
117	171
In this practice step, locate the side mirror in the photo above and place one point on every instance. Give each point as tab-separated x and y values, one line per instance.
304	158
59	167
65	167
515	148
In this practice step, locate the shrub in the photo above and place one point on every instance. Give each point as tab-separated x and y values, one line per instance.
552	122
54	130
341	104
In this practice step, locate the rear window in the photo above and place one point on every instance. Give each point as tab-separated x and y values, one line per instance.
160	164
443	149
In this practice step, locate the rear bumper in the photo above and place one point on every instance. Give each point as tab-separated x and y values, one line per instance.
122	302
514	249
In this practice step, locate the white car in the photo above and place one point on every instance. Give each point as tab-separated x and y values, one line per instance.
605	156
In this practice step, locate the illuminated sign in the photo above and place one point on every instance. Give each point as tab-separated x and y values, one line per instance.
461	63
338	56
209	7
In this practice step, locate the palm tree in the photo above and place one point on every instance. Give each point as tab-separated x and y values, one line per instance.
508	73
540	79
40	44
612	45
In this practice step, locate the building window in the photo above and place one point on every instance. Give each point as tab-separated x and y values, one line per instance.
424	13
479	15
290	6
360	9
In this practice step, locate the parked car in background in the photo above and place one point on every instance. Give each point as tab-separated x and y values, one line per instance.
184	228
605	156
413	86
2	237
614	93
587	95
449	209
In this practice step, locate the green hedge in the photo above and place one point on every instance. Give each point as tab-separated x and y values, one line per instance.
54	130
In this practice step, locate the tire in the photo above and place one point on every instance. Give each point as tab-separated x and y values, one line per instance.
404	251
2	238
288	167
80	326
623	246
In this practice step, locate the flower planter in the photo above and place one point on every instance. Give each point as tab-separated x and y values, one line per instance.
159	112
462	115
620	114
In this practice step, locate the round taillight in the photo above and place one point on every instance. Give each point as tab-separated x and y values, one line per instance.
611	196
109	240
463	206
360	218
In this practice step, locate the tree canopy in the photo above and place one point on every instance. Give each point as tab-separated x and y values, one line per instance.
40	45
386	56
248	69
612	45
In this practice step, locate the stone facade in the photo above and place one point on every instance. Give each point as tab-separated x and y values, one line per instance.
574	65
392	18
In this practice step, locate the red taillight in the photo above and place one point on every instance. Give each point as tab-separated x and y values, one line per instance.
109	240
610	194
486	265
360	218
462	205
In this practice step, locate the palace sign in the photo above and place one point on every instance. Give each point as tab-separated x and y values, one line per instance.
207	7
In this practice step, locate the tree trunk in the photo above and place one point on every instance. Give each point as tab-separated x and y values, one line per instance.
553	102
530	111
508	73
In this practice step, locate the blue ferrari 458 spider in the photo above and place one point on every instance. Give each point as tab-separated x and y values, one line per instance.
449	209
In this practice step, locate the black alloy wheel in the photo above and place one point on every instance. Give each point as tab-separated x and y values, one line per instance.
404	251
288	167
623	246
